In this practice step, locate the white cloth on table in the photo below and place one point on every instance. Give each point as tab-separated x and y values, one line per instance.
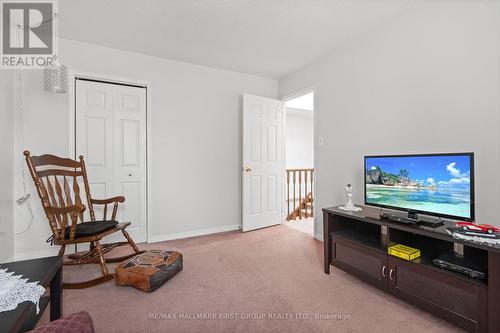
14	289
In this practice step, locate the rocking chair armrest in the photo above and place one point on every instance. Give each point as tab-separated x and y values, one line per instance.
108	201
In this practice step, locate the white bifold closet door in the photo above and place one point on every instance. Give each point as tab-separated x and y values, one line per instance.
110	132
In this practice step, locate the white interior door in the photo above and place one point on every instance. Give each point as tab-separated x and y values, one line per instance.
110	132
262	162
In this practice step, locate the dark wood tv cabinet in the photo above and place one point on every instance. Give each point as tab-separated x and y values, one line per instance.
357	242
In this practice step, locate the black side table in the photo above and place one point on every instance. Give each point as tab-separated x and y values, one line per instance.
49	272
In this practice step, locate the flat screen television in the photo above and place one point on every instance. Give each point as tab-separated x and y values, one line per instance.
433	184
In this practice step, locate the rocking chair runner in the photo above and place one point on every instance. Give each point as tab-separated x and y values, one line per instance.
63	206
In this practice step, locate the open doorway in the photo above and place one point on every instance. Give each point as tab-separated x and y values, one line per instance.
299	162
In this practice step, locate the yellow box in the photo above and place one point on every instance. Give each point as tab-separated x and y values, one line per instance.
404	252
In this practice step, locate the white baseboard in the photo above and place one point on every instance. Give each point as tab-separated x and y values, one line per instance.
194	233
318	236
36	254
50	252
54	251
6	259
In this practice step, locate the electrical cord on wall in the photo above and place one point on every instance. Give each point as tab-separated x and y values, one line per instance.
24	199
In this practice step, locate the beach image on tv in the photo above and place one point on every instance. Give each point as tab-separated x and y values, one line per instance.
436	184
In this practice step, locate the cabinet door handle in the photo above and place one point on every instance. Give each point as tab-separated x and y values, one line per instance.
384	269
391	273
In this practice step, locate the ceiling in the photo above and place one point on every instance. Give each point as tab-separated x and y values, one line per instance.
269	38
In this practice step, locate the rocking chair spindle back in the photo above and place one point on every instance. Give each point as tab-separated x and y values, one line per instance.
58	181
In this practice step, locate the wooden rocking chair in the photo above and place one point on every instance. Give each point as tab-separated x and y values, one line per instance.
63	206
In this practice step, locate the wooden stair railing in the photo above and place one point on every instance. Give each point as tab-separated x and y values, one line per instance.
300	181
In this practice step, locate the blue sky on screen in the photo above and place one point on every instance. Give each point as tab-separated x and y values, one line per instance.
441	170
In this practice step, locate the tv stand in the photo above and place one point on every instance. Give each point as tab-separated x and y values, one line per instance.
357	243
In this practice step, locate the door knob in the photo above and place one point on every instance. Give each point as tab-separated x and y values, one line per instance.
247	169
130	175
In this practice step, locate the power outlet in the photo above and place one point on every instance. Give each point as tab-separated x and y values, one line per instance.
458	249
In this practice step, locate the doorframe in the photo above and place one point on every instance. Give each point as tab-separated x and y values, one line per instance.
284	99
73	75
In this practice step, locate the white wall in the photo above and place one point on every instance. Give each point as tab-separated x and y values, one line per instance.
195	144
6	171
429	81
299	139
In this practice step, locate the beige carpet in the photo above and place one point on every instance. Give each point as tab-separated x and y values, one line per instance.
270	280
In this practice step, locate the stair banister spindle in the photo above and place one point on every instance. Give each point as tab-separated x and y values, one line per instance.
288	194
306	173
294	181
300	192
303	205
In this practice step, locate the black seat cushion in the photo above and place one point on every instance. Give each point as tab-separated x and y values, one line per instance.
90	228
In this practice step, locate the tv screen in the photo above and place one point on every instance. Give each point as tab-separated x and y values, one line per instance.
434	184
